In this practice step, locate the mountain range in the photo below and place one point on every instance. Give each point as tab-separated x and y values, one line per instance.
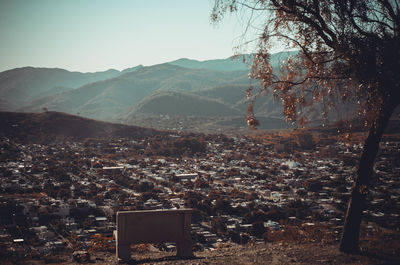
181	88
55	126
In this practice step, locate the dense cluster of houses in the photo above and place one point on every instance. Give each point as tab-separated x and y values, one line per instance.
57	196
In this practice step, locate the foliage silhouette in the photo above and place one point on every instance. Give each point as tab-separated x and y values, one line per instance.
348	53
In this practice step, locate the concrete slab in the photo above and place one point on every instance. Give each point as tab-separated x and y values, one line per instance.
153	226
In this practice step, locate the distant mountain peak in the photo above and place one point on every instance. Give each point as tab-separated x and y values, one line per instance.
132	69
218	64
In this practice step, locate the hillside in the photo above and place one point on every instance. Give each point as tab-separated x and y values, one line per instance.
228	64
284	252
235	96
24	84
273	253
107	99
230	94
212	88
233	63
184	104
50	126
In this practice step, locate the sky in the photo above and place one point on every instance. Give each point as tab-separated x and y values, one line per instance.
97	35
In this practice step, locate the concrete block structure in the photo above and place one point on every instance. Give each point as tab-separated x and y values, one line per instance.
153	226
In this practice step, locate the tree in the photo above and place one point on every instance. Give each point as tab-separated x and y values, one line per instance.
348	53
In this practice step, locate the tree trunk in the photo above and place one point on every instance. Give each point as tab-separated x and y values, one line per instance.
356	205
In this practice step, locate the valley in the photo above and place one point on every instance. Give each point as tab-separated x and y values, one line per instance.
76	148
60	189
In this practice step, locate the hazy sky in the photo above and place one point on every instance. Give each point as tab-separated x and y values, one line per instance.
96	35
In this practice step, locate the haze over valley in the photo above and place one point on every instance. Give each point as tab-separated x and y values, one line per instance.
211	93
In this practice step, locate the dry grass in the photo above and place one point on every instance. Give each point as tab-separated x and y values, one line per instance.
377	240
305	233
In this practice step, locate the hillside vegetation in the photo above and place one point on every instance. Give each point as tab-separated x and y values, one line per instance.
174	103
49	126
215	89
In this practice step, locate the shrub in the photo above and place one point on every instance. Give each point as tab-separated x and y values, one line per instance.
258	229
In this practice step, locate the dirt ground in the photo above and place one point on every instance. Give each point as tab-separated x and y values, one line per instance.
256	253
